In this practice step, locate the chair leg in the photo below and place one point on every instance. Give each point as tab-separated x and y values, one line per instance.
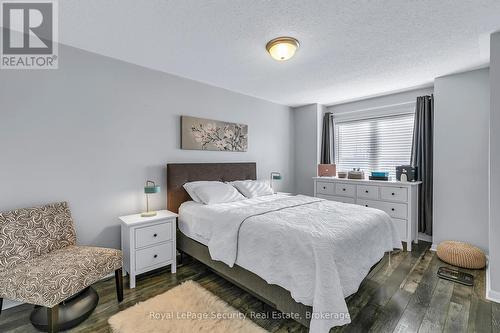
119	284
1	304
53	319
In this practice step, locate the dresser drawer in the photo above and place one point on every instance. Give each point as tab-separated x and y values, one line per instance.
394	193
396	210
367	192
401	227
154	234
151	256
325	188
346	190
336	198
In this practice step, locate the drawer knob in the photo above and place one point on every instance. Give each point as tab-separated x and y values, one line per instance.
366	205
366	191
155	235
392	209
393	193
155	256
324	188
343	189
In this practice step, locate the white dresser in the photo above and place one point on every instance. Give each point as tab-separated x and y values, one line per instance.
397	199
148	243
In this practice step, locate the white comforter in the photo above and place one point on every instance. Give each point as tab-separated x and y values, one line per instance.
319	250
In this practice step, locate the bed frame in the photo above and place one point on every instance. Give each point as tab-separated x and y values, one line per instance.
180	173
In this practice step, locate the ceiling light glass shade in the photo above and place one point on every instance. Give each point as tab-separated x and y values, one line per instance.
282	48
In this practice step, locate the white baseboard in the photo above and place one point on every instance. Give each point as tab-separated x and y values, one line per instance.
491	295
7	304
424	237
434	247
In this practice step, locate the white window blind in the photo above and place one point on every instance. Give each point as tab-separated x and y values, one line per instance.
375	144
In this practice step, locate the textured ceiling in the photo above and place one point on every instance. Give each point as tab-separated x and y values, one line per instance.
349	49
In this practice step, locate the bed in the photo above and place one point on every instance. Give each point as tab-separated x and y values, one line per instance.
279	248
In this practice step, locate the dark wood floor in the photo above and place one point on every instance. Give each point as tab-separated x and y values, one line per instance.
404	295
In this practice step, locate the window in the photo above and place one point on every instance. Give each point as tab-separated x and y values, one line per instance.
375	144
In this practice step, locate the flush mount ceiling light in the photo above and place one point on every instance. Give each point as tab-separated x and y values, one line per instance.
282	48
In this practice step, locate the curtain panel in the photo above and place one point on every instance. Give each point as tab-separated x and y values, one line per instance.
327	147
422	158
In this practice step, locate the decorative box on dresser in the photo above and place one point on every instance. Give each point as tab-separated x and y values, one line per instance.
148	243
398	199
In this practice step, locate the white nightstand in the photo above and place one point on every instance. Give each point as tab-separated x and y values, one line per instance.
148	243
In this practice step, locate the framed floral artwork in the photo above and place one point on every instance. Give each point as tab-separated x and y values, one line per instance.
207	134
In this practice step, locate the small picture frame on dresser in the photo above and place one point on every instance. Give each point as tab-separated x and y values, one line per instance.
148	243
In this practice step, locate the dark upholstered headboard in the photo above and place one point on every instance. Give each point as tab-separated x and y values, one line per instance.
180	173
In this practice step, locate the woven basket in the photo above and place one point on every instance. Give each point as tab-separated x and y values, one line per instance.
461	254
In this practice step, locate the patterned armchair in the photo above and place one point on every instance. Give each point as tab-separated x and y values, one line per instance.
41	264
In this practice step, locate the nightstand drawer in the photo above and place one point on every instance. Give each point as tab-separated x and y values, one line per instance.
154	234
367	192
325	188
395	210
345	190
401	227
394	194
153	256
336	198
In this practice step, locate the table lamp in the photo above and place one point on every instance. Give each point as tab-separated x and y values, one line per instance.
150	188
274	176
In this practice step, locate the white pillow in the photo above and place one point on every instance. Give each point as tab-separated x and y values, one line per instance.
190	187
217	193
253	188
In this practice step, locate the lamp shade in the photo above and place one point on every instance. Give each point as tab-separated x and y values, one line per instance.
151	187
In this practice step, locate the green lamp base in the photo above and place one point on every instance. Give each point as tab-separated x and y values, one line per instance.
148	214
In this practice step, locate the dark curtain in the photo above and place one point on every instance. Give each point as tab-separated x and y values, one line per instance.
327	153
421	157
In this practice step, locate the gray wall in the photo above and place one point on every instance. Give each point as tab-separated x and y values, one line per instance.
307	146
461	120
494	226
94	130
